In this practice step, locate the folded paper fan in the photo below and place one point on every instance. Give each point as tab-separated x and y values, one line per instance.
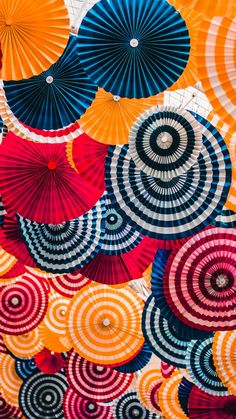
199	280
140	360
10	381
128	406
25	367
216	65
9	411
38	182
110	117
149	383
49	362
226	219
65	247
209	8
33	35
41	395
55	98
9	268
177	208
98	383
168	397
101	321
115	40
167	369
75	406
184	391
25	345
205	406
68	285
224	358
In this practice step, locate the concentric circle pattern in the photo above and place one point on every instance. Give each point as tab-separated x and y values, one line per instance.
25	368
224	344
95	382
68	285
102	320
199	280
140	360
9	411
10	381
24	345
42	395
148	386
168	397
128	406
165	142
75	406
23	305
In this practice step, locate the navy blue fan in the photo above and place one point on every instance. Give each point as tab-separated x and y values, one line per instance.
134	48
128	406
226	219
138	362
184	391
25	368
55	98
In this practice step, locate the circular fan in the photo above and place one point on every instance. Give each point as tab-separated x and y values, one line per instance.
205	406
101	321
226	219
184	391
55	98
68	285
22	305
168	397
49	362
9	411
41	395
10	381
199	363
68	246
25	368
199	280
165	142
177	208
208	8
129	57
148	383
25	345
110	117
37	181
32	36
75	406
167	369
95	382
128	406
224	344
162	336
140	360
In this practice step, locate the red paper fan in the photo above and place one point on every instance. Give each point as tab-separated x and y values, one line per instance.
117	269
37	181
7	411
167	369
3	348
75	406
68	285
49	362
88	157
23	305
202	405
95	382
17	270
11	241
47	136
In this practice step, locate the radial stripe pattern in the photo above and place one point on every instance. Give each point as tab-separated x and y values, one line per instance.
168	397
224	358
75	406
10	381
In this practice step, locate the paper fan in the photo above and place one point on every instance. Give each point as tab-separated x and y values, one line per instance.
165	142
124	253
56	97
177	208
101	321
168	397
199	280
3	348
52	329
205	406
157	285
38	183
149	380
216	65
41	395
88	157
167	369
140	360
9	411
200	366
224	358
95	382
226	219
32	36
134	48
128	406
162	337
68	246
209	8
110	117
25	345
25	368
23	305
75	406
11	240
49	362
10	381
184	391
9	265
68	285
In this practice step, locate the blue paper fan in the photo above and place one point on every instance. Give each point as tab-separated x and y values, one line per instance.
180	207
128	406
66	247
184	391
25	368
134	48
226	219
162	336
138	362
55	98
182	329
199	363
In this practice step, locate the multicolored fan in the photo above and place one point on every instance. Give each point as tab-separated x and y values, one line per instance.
75	406
168	397
128	406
